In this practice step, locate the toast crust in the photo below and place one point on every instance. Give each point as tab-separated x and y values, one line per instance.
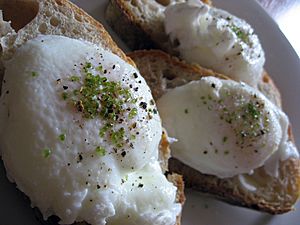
273	195
44	14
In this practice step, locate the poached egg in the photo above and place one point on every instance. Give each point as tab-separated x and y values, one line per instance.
215	39
80	135
225	128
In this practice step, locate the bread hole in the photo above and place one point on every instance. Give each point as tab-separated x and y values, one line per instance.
54	21
169	75
63	30
78	17
89	29
43	28
48	13
134	3
163	2
19	12
75	31
58	2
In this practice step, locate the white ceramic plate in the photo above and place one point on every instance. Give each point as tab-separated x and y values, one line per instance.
284	67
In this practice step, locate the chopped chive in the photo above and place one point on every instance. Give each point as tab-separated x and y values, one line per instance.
100	151
132	113
46	152
34	74
74	78
64	95
62	137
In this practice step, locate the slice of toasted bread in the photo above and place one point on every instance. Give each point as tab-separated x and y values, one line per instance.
273	195
60	17
141	25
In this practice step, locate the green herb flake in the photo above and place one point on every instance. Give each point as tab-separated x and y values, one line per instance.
34	74
253	110
186	111
104	129
132	113
118	136
126	177
74	78
46	152
100	151
132	137
99	68
64	95
239	33
62	137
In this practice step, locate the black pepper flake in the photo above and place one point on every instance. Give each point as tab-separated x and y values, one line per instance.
135	75
80	158
65	87
7	92
136	89
213	85
114	66
98	186
130	85
143	105
205	152
123	154
154	111
140	185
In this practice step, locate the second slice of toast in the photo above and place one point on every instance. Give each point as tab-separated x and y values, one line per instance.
272	195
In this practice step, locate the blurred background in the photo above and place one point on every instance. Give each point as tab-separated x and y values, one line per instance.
287	14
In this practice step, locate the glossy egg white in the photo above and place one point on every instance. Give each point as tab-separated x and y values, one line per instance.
50	149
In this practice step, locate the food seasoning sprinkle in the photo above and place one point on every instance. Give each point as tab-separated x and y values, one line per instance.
46	152
34	74
100	151
62	137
